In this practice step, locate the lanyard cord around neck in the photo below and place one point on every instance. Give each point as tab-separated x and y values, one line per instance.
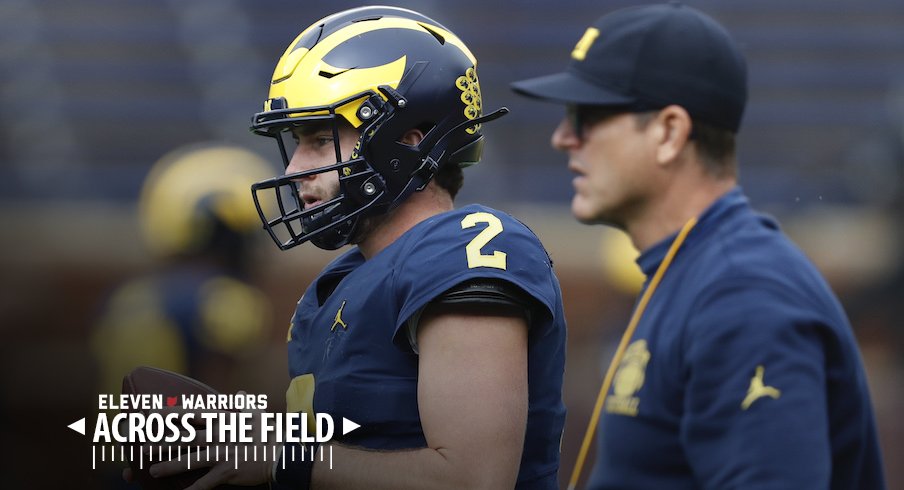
622	345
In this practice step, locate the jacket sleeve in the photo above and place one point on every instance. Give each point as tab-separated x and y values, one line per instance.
755	407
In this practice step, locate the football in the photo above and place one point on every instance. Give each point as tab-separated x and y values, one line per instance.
149	380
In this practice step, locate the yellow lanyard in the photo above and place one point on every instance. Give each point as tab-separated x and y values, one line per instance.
622	345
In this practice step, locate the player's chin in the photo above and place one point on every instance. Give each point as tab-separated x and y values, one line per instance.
583	210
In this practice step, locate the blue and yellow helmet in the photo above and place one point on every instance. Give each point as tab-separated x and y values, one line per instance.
195	199
385	71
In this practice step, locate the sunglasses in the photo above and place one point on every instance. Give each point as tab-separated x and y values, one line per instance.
583	117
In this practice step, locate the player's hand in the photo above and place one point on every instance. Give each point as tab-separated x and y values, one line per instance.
240	467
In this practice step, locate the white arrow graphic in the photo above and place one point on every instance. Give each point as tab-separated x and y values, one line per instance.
78	426
347	425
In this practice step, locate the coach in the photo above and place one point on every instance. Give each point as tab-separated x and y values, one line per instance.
739	368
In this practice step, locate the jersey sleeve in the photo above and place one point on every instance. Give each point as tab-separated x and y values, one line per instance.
472	243
755	401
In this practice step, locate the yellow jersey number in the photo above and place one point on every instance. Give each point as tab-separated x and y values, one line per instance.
300	398
494	227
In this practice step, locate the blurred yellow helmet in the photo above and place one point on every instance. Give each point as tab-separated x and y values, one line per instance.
198	195
618	256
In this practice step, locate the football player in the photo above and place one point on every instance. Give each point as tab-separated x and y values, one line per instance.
196	314
441	332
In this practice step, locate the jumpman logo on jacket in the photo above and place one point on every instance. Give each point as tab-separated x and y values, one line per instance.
758	389
338	321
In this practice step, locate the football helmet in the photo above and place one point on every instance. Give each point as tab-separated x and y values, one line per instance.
195	200
385	71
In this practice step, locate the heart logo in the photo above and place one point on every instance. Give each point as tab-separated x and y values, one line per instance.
171	401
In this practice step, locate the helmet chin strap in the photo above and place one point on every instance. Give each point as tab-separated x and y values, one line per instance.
430	163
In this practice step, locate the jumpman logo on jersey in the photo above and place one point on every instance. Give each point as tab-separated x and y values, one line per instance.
338	321
758	389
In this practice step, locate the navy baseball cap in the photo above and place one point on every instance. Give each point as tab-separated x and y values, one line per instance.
645	58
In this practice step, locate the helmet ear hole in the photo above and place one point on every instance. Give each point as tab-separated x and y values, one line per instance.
425	127
412	137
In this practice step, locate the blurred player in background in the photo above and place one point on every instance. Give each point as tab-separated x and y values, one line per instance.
442	332
195	313
739	368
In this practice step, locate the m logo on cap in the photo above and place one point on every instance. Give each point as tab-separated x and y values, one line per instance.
581	48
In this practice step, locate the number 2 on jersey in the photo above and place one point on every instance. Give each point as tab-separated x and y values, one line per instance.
494	227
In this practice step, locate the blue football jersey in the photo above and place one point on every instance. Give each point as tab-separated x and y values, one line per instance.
349	355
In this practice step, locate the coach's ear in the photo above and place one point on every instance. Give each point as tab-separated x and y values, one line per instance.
671	129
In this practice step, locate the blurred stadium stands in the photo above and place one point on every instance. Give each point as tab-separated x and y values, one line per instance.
93	90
